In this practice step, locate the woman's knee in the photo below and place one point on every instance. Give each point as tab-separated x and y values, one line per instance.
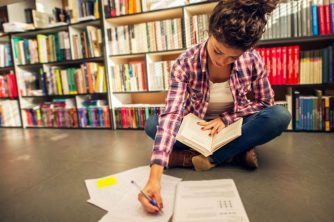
151	126
281	117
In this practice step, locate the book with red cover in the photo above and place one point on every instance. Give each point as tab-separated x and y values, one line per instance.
296	50
268	64
274	65
327	17
284	61
321	17
279	65
290	65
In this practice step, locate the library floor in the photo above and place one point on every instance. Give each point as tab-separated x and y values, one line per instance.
42	174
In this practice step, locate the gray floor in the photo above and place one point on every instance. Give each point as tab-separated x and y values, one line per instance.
42	174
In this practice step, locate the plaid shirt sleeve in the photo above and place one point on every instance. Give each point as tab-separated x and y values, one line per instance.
261	88
171	118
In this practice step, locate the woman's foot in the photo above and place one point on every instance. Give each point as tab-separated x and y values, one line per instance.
181	158
202	163
248	159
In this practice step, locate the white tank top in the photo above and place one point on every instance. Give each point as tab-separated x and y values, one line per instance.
221	100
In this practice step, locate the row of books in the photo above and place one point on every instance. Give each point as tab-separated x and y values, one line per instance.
159	73
56	113
289	65
121	7
282	64
5	55
314	112
129	77
87	43
149	5
8	87
127	7
88	78
146	37
93	113
316	66
9	113
198	30
135	116
94	117
51	117
42	49
297	18
83	8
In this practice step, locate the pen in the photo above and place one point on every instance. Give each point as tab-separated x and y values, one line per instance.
147	197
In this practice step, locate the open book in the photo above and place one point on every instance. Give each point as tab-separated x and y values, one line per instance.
191	134
208	200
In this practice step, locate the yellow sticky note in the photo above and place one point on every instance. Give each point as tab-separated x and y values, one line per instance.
106	182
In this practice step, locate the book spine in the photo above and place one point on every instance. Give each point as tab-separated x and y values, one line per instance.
315	30
327	17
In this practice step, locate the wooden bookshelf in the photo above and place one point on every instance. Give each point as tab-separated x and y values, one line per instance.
29	101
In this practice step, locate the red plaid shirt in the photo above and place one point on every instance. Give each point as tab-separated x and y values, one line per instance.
189	93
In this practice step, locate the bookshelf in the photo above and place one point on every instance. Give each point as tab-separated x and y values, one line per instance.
136	57
66	86
9	103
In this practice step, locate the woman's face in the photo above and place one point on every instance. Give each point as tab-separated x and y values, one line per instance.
220	54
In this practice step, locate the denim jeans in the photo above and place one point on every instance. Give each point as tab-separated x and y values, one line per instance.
257	129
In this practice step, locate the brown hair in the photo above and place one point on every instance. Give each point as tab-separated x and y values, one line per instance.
240	23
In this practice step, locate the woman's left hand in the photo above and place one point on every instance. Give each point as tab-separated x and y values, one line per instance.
215	126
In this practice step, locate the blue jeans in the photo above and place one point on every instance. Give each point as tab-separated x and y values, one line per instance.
257	129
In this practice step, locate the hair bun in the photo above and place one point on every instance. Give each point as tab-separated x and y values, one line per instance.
258	7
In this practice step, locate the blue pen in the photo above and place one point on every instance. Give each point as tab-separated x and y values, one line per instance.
147	197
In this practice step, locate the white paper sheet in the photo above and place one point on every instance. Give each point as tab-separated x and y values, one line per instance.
122	197
210	201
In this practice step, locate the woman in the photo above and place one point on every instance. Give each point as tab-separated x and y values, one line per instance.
211	80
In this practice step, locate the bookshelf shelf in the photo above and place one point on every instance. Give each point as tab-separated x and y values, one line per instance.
95	128
46	30
11	127
86	22
66	128
168	52
324	85
128	56
7	68
118	128
66	96
8	98
146	16
67	62
48	127
2	35
140	14
34	32
295	40
152	91
164	52
310	131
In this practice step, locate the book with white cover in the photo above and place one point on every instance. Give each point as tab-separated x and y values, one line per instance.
191	134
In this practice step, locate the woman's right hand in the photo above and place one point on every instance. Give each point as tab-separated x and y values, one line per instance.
152	189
